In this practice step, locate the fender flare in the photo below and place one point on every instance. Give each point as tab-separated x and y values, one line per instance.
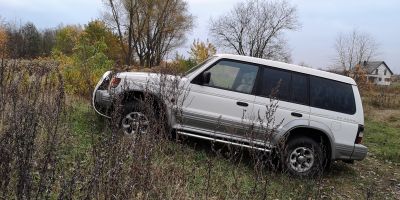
317	126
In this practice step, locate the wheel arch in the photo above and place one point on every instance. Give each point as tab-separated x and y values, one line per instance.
319	135
156	101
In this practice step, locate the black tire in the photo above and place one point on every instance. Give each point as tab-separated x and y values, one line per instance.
155	116
303	157
134	110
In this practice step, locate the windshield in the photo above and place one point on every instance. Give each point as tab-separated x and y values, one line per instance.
193	69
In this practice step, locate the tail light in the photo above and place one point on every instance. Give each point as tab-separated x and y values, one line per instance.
360	134
115	82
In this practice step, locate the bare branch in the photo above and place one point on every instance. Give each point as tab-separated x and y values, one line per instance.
354	48
255	28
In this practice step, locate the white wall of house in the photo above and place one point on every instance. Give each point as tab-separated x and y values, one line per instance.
380	78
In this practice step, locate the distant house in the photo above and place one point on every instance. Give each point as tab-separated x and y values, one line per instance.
378	72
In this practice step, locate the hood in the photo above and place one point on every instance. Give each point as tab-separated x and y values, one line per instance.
138	76
140	79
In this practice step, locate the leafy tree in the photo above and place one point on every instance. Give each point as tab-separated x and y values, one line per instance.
27	41
96	31
31	41
66	38
361	77
15	42
48	41
23	42
87	61
151	29
3	42
256	27
182	64
200	51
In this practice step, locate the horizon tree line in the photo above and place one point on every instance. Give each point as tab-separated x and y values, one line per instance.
140	32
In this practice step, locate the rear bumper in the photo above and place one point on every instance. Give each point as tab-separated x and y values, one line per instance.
359	152
350	152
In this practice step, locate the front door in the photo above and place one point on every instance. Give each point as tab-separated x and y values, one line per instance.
221	106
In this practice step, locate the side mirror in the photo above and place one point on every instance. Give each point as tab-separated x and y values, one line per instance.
206	78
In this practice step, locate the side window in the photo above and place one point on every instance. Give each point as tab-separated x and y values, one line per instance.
299	88
332	95
234	76
276	83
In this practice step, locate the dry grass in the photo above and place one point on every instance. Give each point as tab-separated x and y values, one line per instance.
56	150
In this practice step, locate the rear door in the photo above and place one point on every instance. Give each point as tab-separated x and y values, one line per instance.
222	105
333	107
282	100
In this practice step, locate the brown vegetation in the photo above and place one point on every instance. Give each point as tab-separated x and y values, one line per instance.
50	149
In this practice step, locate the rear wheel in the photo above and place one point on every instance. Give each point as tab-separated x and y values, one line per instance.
303	157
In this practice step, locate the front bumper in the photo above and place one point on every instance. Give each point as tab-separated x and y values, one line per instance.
102	99
359	152
103	102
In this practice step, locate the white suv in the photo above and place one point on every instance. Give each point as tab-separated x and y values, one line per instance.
319	115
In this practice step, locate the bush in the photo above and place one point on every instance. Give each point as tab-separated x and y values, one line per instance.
31	131
85	65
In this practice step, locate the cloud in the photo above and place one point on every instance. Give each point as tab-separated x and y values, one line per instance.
45	13
313	43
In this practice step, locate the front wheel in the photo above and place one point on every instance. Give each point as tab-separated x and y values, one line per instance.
134	119
134	123
303	157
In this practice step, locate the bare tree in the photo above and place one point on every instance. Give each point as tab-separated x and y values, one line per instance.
256	27
118	13
354	48
150	29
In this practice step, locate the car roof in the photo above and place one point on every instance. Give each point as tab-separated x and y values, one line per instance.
291	67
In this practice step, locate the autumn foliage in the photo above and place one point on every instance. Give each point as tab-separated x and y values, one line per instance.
200	51
360	76
3	42
84	55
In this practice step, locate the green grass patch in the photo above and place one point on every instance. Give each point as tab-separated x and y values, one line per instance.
383	140
83	127
195	171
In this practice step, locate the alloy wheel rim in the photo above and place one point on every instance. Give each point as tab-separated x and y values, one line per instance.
135	122
301	159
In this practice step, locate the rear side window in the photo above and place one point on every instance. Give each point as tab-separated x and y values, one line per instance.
276	83
285	85
332	95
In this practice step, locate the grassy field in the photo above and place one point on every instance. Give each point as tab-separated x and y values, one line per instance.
210	174
54	146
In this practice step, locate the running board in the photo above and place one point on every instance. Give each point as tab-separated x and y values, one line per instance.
223	141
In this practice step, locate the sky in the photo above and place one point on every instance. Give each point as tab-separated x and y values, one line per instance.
312	44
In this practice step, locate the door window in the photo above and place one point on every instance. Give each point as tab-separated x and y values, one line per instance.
276	83
233	76
299	88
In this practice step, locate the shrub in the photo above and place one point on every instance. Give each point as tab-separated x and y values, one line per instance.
31	131
85	65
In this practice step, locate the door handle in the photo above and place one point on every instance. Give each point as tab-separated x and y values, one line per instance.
242	104
296	114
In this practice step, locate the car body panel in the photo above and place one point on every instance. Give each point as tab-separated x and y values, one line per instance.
214	112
